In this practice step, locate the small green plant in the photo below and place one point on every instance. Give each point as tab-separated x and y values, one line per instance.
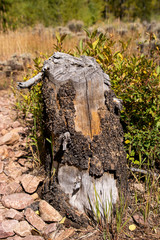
59	44
110	224
29	105
147	200
101	213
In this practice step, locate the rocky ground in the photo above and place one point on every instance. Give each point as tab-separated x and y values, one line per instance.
23	215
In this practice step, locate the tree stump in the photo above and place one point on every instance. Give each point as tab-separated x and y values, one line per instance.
82	119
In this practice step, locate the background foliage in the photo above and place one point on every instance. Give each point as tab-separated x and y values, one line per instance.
18	13
136	80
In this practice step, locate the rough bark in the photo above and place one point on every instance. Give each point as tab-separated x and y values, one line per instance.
82	119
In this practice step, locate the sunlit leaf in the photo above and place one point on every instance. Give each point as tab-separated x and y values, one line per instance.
94	44
58	37
158	70
81	45
63	220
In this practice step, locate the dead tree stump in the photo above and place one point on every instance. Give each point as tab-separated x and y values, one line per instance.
82	120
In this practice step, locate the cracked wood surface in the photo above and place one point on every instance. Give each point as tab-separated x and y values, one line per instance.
82	117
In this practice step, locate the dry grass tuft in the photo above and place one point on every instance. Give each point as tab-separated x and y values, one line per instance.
29	41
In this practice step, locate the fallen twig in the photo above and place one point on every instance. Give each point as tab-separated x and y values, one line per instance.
144	171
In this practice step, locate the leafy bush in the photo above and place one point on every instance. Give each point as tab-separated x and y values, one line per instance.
136	80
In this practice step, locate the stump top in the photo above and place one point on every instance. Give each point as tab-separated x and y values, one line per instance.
90	83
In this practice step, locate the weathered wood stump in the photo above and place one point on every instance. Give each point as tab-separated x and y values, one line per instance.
82	118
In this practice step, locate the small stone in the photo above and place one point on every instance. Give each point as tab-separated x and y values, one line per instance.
29	165
9	138
2	126
139	187
139	219
1	166
49	228
15	238
3	132
2	214
15	187
65	234
19	154
35	196
13	170
34	219
30	237
15	124
17	201
22	161
3	178
25	162
23	229
3	152
48	213
6	228
6	189
14	214
30	182
18	130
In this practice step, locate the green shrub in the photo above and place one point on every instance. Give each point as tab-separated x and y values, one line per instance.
136	80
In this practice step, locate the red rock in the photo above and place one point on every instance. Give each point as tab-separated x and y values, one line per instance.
3	132
15	238
30	182
6	228
19	154
6	189
3	152
49	228
29	164
23	229
15	187
2	126
15	124
48	213
13	170
65	234
3	178
33	238
22	161
18	130
25	162
14	214
34	219
9	138
139	187
5	124
139	219
1	166
2	214
17	201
